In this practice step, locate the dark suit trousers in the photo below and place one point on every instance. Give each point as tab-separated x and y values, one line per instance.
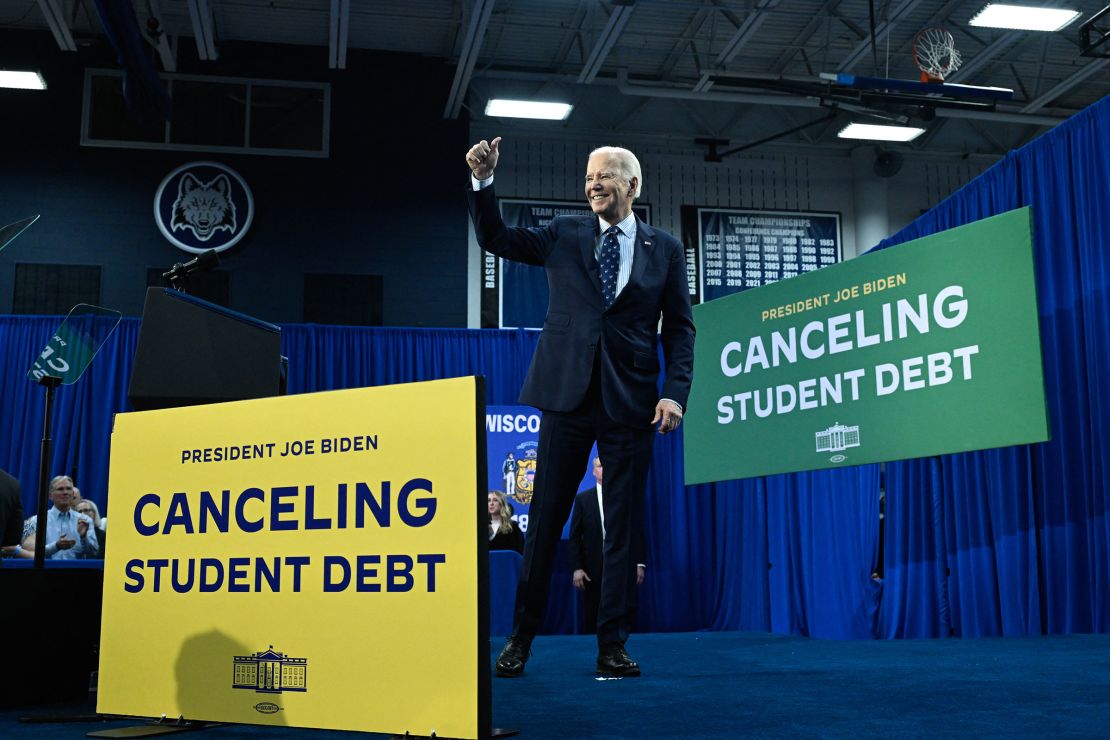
563	457
591	599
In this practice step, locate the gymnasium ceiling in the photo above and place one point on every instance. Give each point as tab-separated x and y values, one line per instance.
656	69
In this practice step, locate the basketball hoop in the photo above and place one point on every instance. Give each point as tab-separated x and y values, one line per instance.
934	51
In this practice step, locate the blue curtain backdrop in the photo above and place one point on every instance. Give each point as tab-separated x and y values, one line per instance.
1001	542
1015	541
790	553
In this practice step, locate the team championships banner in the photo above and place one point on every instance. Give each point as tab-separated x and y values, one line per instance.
928	348
310	561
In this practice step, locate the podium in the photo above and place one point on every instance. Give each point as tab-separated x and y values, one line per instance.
194	352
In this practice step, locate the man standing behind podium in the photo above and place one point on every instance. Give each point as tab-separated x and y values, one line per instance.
594	375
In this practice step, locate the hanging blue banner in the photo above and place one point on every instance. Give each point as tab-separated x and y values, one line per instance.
512	438
743	249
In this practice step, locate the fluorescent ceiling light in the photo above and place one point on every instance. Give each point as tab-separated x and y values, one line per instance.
22	80
527	109
1023	18
877	132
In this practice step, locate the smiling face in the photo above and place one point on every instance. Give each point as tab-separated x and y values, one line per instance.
608	193
61	493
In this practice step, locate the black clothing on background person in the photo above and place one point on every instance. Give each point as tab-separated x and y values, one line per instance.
586	549
11	511
514	540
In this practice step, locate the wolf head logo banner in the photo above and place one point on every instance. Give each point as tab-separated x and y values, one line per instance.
203	205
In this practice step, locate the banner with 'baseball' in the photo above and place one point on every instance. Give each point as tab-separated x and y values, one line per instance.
928	348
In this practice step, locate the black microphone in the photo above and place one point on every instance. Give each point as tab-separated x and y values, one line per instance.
203	261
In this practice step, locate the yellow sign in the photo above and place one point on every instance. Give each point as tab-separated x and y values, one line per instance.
309	561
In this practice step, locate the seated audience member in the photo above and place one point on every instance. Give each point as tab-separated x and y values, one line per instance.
69	535
503	532
89	508
29	531
11	514
16	551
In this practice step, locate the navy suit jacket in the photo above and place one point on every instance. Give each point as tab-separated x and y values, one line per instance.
578	326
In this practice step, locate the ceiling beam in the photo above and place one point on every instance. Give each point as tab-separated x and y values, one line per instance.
685	41
988	137
881	32
572	34
999	115
802	38
338	32
204	30
605	43
746	31
56	20
468	56
1064	85
160	40
631	113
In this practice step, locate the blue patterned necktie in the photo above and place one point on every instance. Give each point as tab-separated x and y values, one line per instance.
609	266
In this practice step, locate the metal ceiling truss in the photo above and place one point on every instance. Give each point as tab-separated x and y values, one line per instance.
746	32
803	37
338	31
573	33
714	154
156	36
56	20
204	29
1066	84
881	32
1094	35
468	56
605	42
685	41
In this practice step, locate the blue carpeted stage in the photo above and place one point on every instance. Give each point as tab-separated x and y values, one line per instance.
742	684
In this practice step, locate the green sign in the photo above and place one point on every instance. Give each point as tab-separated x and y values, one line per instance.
72	347
928	348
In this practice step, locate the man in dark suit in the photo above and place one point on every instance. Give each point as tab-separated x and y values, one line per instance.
587	537
594	375
11	511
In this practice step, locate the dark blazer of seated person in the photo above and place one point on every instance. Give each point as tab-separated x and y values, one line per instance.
503	532
587	546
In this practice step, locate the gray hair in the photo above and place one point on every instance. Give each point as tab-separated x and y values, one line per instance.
95	509
58	479
627	163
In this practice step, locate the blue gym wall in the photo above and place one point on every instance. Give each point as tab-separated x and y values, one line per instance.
387	201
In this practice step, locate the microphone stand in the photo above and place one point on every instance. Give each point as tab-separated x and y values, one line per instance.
177	274
51	383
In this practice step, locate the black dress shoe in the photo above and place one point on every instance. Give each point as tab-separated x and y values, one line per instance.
612	660
514	655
